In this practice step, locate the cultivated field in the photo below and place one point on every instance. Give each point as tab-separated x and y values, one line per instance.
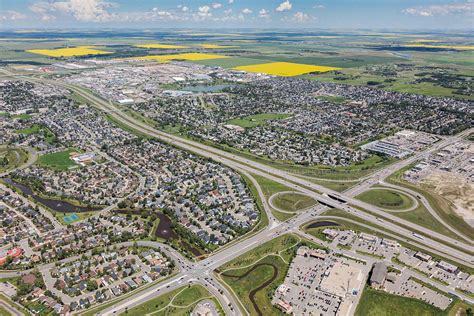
162	46
217	46
285	69
186	56
69	52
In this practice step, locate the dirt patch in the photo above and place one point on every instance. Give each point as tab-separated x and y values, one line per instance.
261	286
456	189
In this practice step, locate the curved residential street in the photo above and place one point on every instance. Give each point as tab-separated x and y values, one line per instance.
458	250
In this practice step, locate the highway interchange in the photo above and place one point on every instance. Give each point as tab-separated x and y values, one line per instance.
459	250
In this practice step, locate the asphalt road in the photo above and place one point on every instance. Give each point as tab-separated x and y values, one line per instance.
194	272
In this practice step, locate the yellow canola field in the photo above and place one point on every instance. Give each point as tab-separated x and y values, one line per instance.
425	41
69	52
164	46
457	47
284	69
217	46
187	56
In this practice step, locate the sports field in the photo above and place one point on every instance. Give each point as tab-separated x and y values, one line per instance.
59	160
69	52
186	56
68	219
257	119
163	46
285	69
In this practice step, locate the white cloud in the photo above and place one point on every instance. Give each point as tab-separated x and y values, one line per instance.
319	6
464	8
231	1
228	11
82	10
284	6
102	11
183	8
263	13
217	5
204	11
300	17
246	11
11	15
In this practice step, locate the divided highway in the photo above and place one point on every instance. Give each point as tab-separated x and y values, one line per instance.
201	272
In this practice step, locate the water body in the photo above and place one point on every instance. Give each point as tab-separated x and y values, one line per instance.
164	229
322	224
205	88
55	205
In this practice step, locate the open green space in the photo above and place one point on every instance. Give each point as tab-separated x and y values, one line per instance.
59	160
177	302
101	307
4	312
269	188
292	201
263	222
67	219
231	62
257	119
332	98
386	198
254	275
43	131
378	303
339	186
8	301
15	116
12	157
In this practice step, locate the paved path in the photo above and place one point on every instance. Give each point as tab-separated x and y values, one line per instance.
194	272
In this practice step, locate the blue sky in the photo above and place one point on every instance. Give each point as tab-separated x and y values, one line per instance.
331	14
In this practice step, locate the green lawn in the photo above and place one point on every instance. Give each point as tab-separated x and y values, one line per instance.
183	300
385	198
4	312
378	303
270	187
48	135
332	98
282	216
231	62
293	201
257	119
270	247
12	158
338	186
353	171
255	274
270	270
59	160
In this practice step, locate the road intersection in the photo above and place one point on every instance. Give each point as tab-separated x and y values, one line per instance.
458	250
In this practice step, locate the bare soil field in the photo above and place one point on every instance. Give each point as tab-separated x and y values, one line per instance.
456	189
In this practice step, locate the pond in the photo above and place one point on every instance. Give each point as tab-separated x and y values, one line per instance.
164	229
54	204
322	224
